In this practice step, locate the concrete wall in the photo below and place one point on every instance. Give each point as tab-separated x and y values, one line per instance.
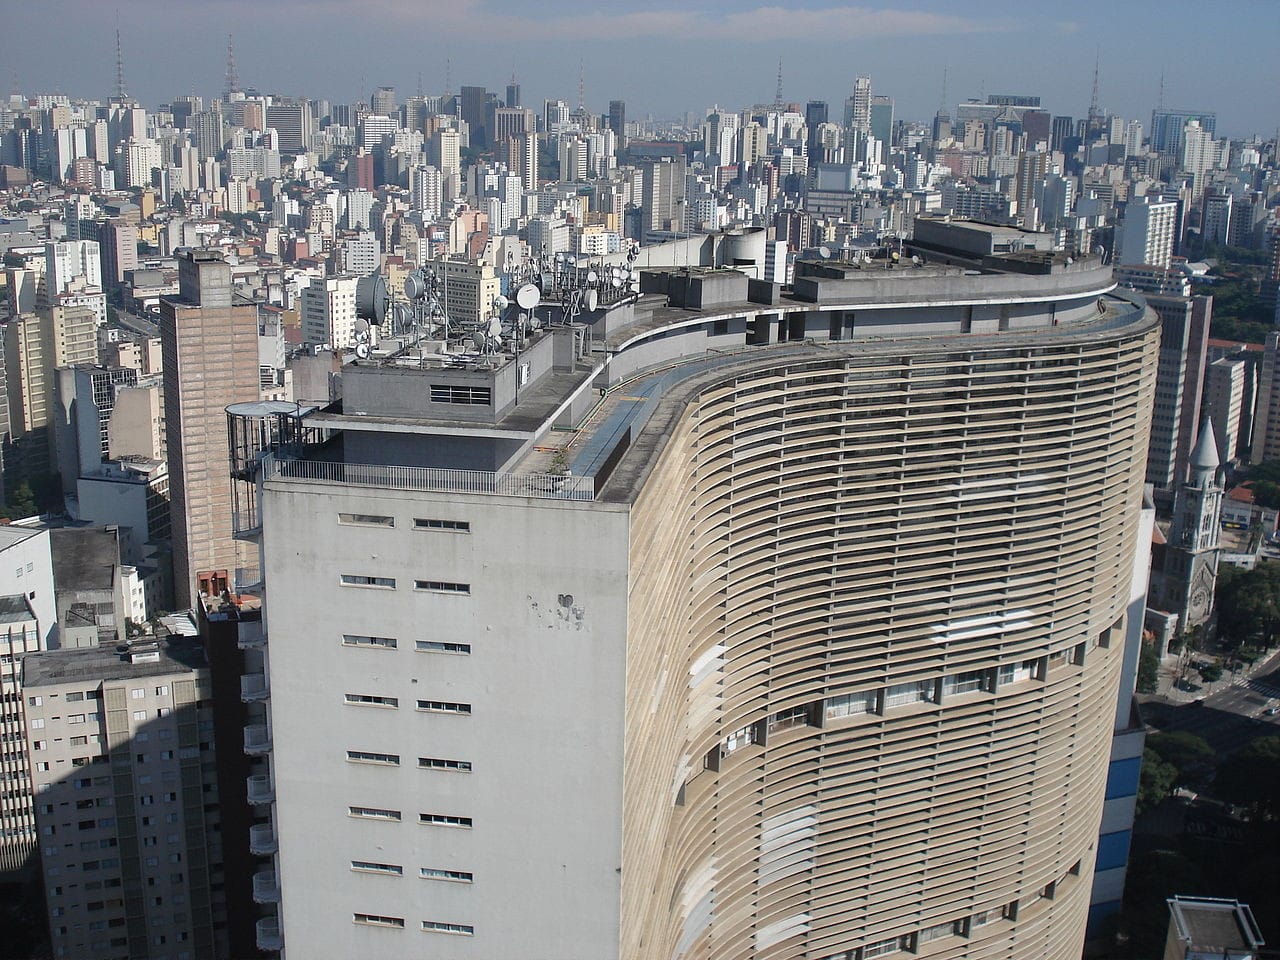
546	621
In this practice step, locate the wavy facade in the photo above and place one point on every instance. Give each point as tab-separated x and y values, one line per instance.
877	610
815	655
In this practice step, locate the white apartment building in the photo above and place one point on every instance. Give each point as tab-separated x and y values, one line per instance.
328	310
1147	232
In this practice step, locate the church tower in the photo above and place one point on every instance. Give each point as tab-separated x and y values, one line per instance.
1191	559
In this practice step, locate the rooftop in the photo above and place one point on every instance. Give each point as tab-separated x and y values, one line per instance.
85	558
1210	925
97	664
15	609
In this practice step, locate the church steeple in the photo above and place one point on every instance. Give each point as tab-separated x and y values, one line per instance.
1191	560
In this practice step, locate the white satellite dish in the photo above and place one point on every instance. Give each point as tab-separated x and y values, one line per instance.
635	276
592	299
824	253
495	327
616	281
362	351
362	326
362	336
479	340
528	296
500	302
414	287
592	276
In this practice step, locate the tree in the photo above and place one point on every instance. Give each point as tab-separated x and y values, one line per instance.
21	502
1191	756
1250	777
1211	673
1249	603
1156	781
1148	668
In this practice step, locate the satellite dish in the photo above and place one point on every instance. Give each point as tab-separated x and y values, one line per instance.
362	336
592	299
371	297
616	281
495	327
635	276
362	351
479	341
500	302
824	253
362	326
400	315
528	297
592	276
415	287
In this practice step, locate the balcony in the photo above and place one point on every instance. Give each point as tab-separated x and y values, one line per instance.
268	932
260	790
252	636
257	740
265	888
254	688
262	840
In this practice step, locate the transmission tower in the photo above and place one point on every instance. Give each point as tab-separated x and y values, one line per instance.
233	78
777	96
120	94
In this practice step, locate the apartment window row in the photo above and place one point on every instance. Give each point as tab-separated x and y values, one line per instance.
444	820
437	763
360	580
390	643
441	646
365	520
450	876
359	640
367	756
457	393
457	929
373	813
454	526
375	920
368	866
963	927
372	700
442	586
444	706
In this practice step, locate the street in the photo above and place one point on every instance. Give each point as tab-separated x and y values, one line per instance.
1227	714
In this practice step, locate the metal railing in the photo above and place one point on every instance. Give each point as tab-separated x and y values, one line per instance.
433	479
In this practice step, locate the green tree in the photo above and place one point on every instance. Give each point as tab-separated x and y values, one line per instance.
1148	668
21	502
1189	755
1249	604
1156	781
1211	673
1250	777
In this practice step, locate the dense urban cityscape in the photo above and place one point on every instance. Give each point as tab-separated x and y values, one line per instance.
789	529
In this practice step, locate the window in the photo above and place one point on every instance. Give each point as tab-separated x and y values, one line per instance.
444	706
459	393
139	714
917	691
966	682
435	763
453	876
74	697
366	520
373	920
356	640
365	756
881	948
444	820
936	932
137	693
456	526
35	701
372	700
1017	672
442	586
79	741
373	813
793	717
162	691
436	646
358	580
457	929
38	722
850	704
367	866
739	739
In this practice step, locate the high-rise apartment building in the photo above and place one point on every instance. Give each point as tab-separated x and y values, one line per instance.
1147	232
126	799
328	309
1168	128
291	119
857	108
210	346
662	193
814	652
618	121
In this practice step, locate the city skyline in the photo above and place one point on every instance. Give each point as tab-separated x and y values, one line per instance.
713	53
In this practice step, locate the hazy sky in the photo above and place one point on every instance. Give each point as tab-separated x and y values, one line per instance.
668	56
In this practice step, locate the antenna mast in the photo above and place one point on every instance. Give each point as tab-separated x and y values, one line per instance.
942	103
777	96
582	90
120	94
233	78
1094	112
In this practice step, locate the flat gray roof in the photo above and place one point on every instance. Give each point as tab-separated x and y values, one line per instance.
95	664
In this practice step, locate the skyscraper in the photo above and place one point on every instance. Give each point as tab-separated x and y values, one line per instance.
210	346
1147	232
1168	128
815	114
811	648
857	108
618	121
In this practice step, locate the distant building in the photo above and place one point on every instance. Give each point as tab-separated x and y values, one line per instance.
1147	232
126	799
328	310
1205	928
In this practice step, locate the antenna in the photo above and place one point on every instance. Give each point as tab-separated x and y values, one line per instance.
1160	98
582	89
942	103
419	84
448	77
233	78
119	62
1093	99
777	96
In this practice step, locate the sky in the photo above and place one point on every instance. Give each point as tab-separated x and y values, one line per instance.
667	57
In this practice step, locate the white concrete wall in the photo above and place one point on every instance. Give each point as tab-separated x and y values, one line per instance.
546	620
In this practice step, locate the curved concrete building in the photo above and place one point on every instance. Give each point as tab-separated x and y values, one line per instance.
814	652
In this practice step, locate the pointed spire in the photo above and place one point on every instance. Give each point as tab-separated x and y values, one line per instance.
1205	455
